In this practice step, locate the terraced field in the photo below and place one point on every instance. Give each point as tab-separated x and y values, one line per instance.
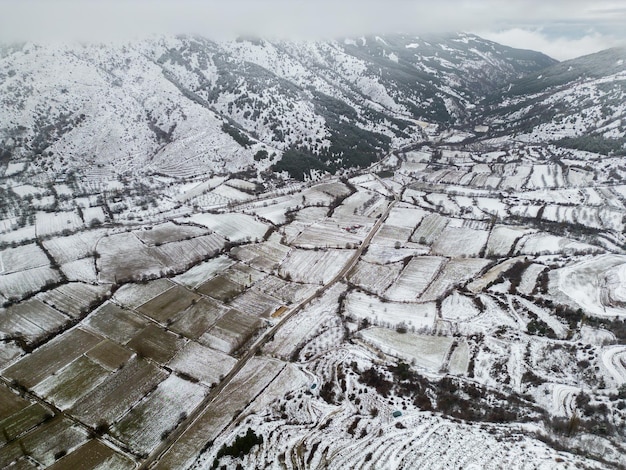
427	319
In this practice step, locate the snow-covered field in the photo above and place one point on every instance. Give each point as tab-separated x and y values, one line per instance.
234	227
146	252
415	278
414	316
596	284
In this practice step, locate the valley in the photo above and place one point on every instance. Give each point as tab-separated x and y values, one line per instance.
453	299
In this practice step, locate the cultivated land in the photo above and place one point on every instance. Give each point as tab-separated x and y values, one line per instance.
458	303
136	366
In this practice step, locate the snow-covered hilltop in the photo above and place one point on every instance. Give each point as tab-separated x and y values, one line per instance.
185	105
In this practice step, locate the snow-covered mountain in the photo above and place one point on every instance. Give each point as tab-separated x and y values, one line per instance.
580	103
185	105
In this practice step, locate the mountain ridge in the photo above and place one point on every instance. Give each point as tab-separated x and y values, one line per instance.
150	105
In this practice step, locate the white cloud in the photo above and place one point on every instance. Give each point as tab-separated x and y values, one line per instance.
521	23
560	48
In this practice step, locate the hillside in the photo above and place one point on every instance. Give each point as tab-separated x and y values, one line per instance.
580	103
186	105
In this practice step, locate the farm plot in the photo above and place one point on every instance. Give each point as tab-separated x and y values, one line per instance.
375	186
389	235
133	295
460	359
530	211
203	271
290	378
456	272
66	386
614	360
595	217
264	256
233	226
94	216
328	234
243	185
374	277
77	246
492	206
503	238
20	235
384	254
529	278
415	316
54	355
255	376
573	196
51	223
194	189
469	208
26	189
287	292
17	414
314	197
443	203
94	454
301	327
182	254
74	298
415	278
429	229
458	307
113	397
459	242
167	306
231	331
275	210
492	275
361	203
31	319
310	215
221	288
109	355
428	352
595	284
204	364
81	270
231	194
335	189
255	302
124	257
13	260
169	232
156	343
160	412
115	323
546	176
403	216
243	275
292	230
309	266
43	445
546	244
19	285
198	318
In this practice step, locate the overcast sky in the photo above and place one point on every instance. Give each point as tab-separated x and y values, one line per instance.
560	28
